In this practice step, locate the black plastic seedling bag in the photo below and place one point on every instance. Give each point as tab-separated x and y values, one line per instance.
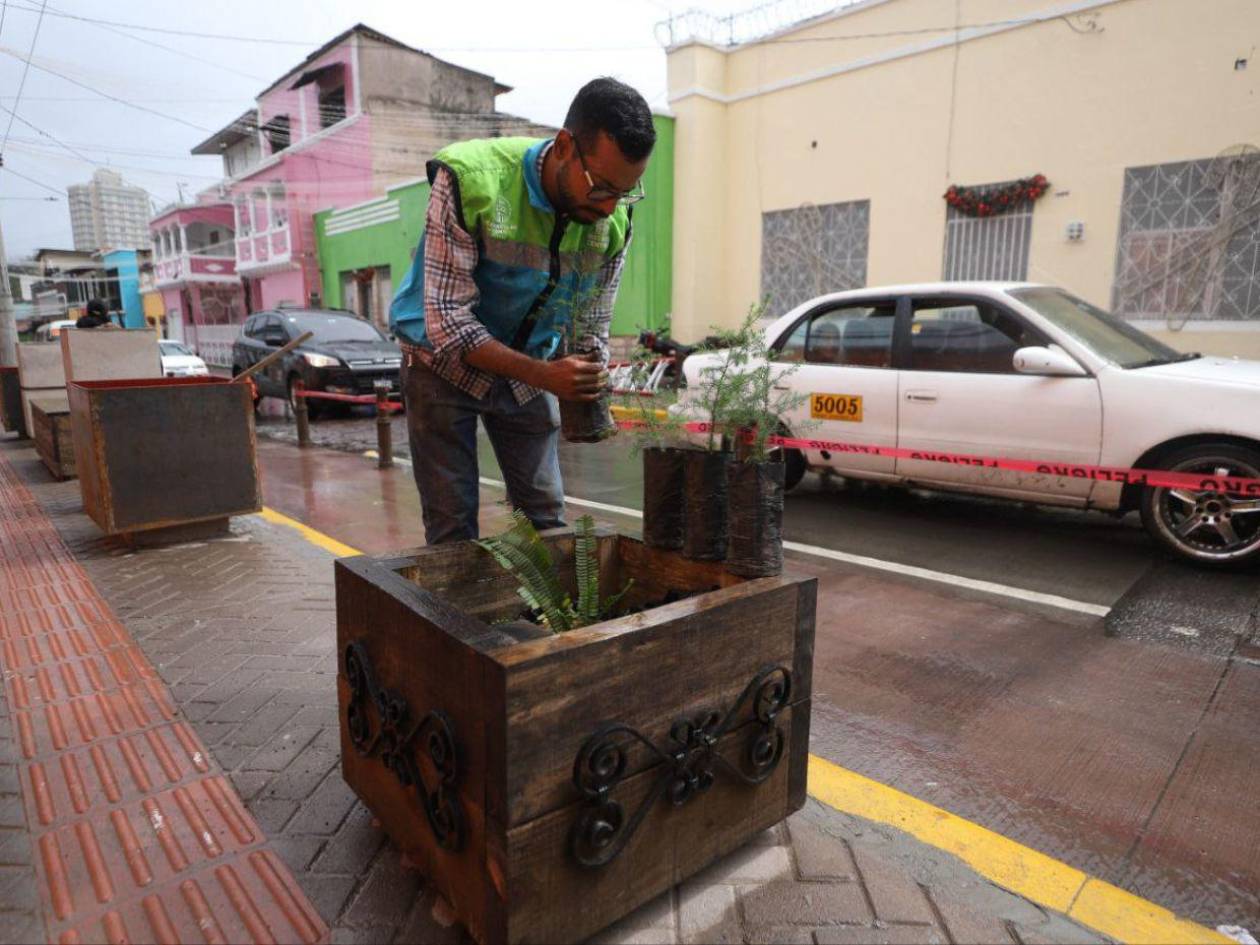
704	505
583	421
663	497
755	521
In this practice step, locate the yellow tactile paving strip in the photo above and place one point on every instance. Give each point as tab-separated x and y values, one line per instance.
137	835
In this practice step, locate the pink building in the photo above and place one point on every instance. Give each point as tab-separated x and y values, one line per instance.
361	114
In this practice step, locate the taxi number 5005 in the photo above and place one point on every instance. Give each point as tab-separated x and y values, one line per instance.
836	407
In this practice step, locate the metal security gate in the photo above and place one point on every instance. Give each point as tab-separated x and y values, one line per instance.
811	250
988	247
1189	243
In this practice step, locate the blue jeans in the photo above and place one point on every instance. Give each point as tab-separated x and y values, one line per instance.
442	425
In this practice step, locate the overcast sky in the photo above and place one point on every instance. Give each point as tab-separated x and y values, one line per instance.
544	50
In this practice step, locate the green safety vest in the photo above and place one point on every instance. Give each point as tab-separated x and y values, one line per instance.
536	272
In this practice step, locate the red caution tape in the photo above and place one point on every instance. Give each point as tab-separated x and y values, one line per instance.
1160	478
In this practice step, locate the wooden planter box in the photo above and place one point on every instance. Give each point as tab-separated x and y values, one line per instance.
54	441
162	452
549	787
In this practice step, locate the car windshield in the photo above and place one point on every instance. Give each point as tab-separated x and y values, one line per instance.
1106	335
330	329
174	347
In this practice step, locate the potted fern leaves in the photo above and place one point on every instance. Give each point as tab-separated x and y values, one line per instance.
521	552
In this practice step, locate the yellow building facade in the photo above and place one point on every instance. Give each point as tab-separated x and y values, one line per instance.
816	159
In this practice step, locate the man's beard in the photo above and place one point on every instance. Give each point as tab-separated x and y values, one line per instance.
571	206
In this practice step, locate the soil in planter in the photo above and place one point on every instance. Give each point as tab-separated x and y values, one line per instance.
705	505
663	498
584	421
755	492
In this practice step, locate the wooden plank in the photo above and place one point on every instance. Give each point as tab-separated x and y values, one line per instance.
88	458
554	899
646	671
657	572
431	669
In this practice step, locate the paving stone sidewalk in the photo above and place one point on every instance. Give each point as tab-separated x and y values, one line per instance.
242	630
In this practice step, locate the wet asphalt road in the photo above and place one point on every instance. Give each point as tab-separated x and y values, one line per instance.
1129	758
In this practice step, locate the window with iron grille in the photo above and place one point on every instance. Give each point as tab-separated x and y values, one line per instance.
812	250
993	247
1189	242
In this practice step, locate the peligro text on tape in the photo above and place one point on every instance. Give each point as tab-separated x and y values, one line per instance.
1160	478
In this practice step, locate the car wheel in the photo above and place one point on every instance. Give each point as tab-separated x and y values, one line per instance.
794	466
794	469
1208	528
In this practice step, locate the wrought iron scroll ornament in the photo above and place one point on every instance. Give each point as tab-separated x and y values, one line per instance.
690	762
397	738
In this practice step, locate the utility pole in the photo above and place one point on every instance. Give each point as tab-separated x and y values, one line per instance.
8	318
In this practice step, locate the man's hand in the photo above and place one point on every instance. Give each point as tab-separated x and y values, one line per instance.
574	378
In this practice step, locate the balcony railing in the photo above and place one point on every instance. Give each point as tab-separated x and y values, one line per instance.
269	248
196	265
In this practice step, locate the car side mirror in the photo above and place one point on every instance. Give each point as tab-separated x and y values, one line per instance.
1047	362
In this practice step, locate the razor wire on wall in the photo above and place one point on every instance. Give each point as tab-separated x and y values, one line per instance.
742	26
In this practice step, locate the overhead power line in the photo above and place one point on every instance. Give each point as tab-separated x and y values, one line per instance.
17	101
178	52
773	40
37	183
102	94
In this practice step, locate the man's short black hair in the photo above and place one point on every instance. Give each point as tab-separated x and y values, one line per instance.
97	307
615	108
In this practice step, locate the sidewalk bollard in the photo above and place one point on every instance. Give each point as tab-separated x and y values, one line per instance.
301	414
384	433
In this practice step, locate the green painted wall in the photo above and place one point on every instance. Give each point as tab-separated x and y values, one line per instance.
383	244
647	281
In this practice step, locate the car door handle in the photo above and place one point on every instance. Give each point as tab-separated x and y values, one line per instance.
921	396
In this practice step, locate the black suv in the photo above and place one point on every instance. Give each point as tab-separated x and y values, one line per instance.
346	354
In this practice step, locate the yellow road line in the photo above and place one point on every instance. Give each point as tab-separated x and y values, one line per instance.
1022	870
1033	875
319	539
633	413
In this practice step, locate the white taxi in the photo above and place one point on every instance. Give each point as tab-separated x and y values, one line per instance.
1021	371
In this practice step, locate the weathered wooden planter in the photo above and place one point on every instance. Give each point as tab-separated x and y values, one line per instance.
53	440
161	452
549	787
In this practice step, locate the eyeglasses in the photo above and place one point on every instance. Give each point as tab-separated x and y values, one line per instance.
623	197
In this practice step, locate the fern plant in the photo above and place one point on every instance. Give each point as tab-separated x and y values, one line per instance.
521	551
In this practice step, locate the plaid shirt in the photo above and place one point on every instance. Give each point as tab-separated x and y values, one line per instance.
450	256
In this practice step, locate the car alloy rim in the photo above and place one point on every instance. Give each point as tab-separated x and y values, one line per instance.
1210	525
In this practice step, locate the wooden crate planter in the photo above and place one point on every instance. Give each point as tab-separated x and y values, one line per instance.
163	452
549	787
54	441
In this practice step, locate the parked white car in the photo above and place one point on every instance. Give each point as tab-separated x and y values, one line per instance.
178	360
1021	371
51	331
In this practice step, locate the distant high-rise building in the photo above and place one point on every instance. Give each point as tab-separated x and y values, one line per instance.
107	213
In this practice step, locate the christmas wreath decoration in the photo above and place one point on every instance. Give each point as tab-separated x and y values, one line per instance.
987	201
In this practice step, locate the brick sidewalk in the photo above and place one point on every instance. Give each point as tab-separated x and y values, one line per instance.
242	630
